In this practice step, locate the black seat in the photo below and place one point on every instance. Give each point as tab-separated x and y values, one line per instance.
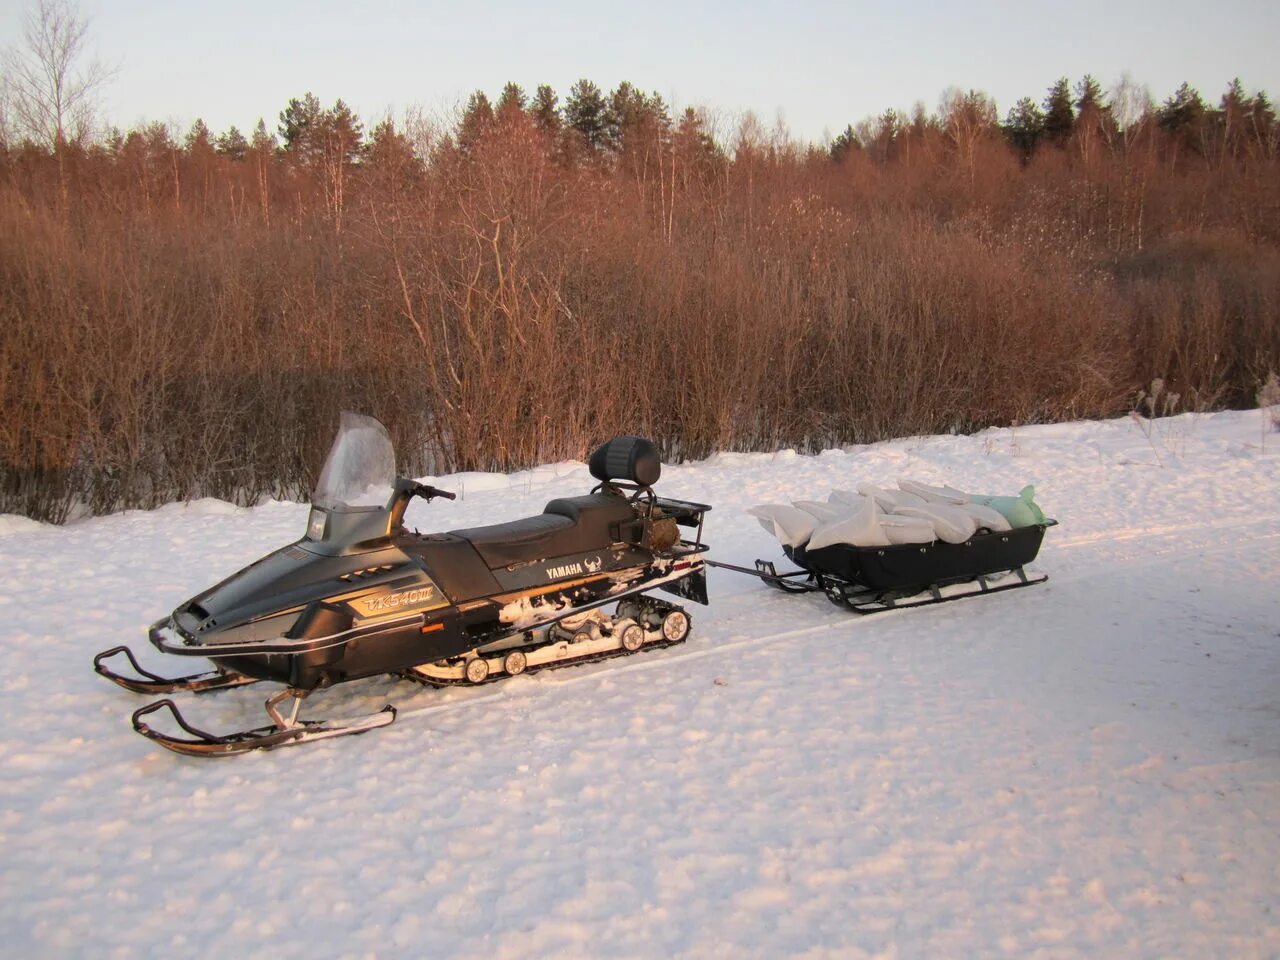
567	526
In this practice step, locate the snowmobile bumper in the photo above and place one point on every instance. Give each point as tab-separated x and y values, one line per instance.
144	681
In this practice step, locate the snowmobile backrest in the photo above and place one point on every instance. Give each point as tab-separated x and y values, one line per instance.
629	459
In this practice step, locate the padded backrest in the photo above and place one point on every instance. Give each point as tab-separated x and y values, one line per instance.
630	459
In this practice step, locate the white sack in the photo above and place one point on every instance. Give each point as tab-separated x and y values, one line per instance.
858	529
951	523
792	527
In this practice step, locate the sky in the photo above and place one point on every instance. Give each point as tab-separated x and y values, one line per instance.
817	66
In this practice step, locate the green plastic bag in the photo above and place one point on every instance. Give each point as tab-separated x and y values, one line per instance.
1020	511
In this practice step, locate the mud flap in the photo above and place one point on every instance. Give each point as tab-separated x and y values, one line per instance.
692	587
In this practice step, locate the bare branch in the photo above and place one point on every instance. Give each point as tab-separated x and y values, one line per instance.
52	97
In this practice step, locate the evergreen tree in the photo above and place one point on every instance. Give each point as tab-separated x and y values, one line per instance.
544	110
635	117
1059	117
1024	126
587	112
696	151
1095	120
845	144
232	144
264	142
1183	110
477	120
1182	116
885	134
297	120
343	133
510	102
198	139
1089	94
389	152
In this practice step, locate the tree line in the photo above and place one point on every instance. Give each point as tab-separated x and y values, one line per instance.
184	314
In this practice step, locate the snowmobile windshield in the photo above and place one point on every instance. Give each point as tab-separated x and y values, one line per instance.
361	467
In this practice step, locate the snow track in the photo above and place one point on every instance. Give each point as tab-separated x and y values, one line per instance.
1083	768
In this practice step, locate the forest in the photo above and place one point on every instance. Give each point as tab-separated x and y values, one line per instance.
184	313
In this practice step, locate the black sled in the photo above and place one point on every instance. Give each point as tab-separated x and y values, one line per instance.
873	579
360	595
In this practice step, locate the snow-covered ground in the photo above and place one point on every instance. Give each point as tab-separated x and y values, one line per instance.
1086	768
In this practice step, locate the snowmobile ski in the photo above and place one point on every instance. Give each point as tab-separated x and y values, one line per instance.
284	732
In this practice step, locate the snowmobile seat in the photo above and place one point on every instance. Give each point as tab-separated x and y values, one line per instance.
567	526
597	515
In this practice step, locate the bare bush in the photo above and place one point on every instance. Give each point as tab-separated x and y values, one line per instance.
182	322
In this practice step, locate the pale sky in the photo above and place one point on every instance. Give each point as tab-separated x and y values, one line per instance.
819	65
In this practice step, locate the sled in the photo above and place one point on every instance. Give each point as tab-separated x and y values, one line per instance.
874	579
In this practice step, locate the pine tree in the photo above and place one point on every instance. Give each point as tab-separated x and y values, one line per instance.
1024	126
845	145
264	141
232	144
389	154
343	133
198	139
544	110
1182	110
477	120
1182	116
884	139
298	121
511	101
1059	117
1095	120
587	112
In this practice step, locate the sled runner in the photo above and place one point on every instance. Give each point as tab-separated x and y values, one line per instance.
360	595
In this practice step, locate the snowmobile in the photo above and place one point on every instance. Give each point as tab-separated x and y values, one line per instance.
360	595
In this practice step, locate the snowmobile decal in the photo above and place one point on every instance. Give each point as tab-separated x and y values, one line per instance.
568	570
428	598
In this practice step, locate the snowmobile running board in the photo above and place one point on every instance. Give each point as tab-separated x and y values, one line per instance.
864	600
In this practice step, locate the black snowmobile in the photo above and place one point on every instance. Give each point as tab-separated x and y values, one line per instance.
360	595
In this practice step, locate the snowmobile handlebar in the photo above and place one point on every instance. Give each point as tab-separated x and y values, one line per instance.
423	490
406	490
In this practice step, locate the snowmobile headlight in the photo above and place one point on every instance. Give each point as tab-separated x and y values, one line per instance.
316	524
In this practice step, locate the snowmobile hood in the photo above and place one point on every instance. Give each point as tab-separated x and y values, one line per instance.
272	591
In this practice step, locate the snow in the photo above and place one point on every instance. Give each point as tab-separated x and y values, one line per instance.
1083	768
